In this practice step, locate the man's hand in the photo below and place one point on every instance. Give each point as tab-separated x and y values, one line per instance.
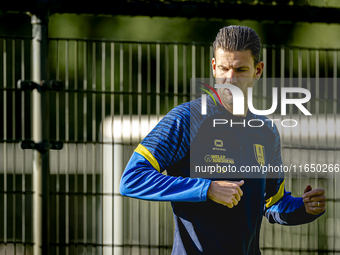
315	200
225	192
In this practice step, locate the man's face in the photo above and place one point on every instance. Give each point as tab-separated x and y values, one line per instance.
237	68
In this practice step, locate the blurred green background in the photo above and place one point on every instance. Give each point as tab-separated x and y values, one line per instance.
141	28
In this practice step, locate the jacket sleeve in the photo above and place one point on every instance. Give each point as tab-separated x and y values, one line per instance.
280	207
165	145
289	210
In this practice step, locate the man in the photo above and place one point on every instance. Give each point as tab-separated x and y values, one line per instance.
219	216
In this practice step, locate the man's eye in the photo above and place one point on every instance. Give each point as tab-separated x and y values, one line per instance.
241	70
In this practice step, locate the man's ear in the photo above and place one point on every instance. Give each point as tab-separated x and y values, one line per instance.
259	69
213	65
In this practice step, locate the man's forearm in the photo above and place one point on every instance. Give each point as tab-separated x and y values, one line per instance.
289	211
141	180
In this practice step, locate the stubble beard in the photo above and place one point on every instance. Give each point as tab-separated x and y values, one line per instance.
226	98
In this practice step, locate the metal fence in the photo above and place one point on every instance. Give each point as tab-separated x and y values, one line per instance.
114	93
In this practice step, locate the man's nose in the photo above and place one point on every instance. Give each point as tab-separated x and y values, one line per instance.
231	76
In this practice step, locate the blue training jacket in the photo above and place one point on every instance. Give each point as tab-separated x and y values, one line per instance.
182	143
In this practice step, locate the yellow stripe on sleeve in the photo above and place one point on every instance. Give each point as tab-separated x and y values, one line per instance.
147	154
277	196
